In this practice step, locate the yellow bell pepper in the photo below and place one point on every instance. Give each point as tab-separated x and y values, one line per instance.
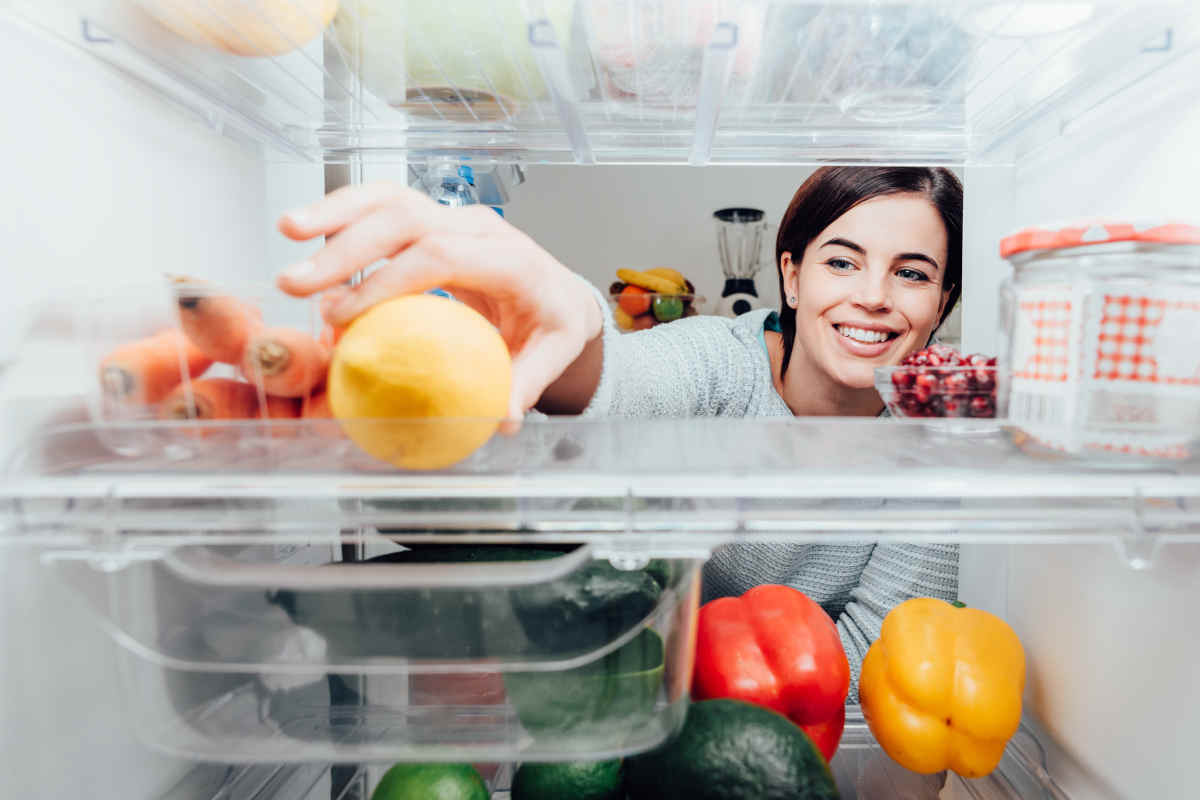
941	687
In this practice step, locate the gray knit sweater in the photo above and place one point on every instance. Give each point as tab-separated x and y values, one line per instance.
723	371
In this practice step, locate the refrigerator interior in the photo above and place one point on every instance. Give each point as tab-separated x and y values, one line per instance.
141	155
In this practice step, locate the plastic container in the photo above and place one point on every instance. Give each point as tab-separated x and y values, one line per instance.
650	56
1102	329
480	653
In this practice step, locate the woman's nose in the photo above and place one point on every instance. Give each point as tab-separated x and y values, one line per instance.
871	292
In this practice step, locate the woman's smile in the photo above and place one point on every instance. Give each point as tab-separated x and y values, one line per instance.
865	340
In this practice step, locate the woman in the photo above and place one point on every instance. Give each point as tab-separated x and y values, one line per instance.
869	262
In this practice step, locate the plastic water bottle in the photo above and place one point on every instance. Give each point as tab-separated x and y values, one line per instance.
452	184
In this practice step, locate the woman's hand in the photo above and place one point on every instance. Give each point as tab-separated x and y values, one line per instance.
546	313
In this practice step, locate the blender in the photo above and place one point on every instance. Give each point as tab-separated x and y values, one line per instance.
740	234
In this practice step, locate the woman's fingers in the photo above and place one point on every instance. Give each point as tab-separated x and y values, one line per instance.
538	364
384	229
339	208
416	269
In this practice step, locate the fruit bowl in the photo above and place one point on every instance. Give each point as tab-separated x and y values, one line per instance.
639	311
940	382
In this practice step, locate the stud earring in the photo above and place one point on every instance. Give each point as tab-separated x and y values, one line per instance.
792	300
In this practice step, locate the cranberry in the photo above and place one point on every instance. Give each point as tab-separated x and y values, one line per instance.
937	406
956	383
918	359
984	378
956	406
982	406
903	378
911	406
977	360
926	385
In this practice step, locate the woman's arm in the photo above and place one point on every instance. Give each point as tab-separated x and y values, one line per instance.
894	573
693	367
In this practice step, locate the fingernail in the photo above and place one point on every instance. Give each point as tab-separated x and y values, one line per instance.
299	271
299	217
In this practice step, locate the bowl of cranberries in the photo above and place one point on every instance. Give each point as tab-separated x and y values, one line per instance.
940	382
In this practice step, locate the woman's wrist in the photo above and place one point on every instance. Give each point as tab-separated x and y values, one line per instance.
593	311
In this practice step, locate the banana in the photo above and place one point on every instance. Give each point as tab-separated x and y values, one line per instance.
645	280
672	275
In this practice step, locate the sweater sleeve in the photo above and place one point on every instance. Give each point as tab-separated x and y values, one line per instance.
893	574
692	367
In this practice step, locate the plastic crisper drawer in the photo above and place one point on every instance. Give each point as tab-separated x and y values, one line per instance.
480	653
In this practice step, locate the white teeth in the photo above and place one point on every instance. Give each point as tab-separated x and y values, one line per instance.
861	335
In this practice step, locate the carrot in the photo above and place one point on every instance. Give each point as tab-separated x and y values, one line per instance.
285	362
147	370
218	324
212	398
316	406
330	336
279	408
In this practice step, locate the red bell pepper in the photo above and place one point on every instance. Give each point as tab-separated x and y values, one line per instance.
776	648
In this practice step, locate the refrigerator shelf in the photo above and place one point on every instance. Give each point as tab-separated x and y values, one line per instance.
630	488
613	81
862	770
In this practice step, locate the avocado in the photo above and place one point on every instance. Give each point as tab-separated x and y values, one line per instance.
732	750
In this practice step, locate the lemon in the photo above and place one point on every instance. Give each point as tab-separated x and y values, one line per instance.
420	381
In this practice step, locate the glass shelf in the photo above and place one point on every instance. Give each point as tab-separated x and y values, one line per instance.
668	488
862	771
614	81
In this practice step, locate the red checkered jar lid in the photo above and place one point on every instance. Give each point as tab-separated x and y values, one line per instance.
1097	232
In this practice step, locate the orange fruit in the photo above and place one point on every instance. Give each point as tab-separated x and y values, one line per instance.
634	300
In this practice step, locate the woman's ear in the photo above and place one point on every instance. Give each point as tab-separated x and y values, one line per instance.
790	272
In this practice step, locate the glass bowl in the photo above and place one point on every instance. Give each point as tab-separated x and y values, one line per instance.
642	311
940	392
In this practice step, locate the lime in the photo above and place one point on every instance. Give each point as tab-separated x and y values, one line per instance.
576	780
431	782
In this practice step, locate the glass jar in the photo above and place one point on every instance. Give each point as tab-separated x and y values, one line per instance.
1101	328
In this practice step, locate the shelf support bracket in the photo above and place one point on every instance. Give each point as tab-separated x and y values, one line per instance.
715	72
92	34
1140	546
552	63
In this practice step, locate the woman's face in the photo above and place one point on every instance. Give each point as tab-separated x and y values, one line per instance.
868	289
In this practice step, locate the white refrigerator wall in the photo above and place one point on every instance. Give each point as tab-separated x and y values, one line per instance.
103	183
1112	651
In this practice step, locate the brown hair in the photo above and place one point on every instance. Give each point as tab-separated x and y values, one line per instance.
832	191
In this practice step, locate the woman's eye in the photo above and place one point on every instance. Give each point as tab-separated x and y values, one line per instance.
910	274
840	263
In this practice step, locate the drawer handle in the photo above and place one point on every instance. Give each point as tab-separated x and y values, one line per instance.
203	566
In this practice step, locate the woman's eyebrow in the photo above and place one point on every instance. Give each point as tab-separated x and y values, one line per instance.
858	248
918	257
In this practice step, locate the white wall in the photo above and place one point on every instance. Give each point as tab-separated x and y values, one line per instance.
597	219
103	182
